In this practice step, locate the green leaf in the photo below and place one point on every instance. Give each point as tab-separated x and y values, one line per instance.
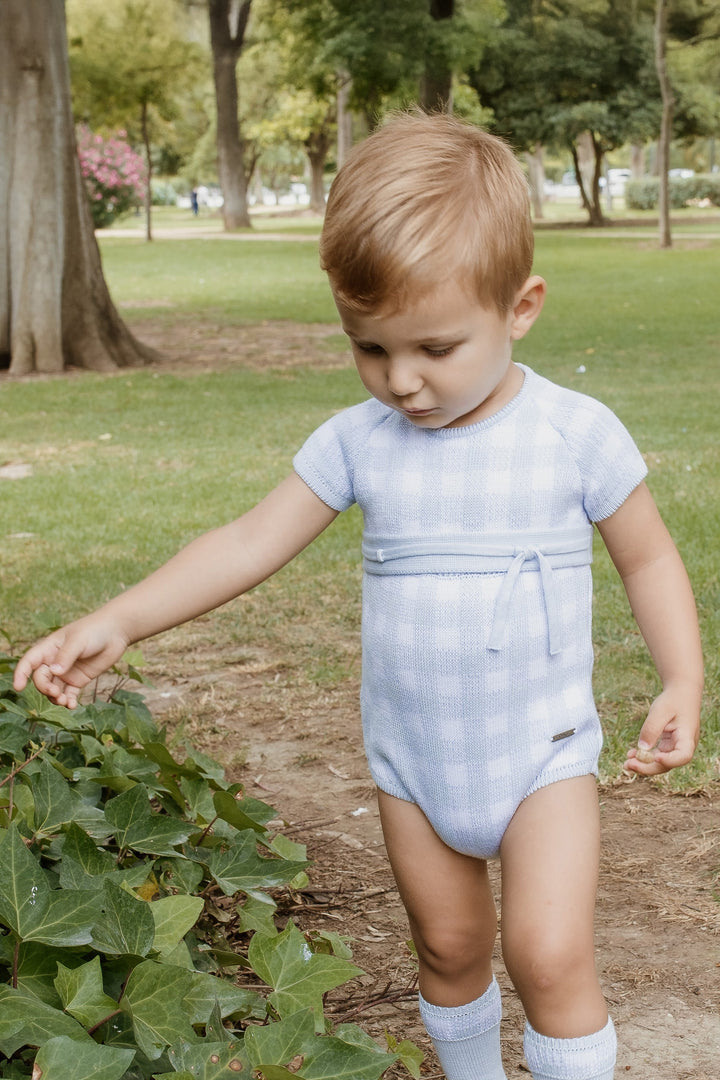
62	1059
127	810
24	889
239	868
205	764
54	804
230	810
257	913
207	992
81	993
26	1021
126	926
408	1053
291	1048
135	825
279	1043
68	918
36	706
13	738
209	1060
173	917
298	976
37	969
155	1001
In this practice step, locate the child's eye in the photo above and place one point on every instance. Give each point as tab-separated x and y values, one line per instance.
439	352
368	347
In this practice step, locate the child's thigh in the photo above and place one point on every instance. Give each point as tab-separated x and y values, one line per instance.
549	855
447	895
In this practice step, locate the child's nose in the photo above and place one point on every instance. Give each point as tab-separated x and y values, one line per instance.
403	377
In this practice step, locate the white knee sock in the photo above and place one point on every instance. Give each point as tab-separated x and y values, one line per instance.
467	1037
591	1057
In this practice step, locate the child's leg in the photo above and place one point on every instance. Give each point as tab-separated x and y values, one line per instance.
453	923
550	854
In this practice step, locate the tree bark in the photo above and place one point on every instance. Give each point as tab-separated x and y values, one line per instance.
536	171
317	146
144	128
668	103
228	23
587	158
55	308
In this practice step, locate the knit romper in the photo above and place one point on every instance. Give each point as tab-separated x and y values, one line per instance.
477	595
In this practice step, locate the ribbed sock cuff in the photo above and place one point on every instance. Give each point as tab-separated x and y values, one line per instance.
591	1057
451	1024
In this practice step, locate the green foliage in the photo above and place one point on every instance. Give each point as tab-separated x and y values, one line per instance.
684	191
111	846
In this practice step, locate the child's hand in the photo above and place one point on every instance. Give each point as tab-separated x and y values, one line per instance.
670	734
64	662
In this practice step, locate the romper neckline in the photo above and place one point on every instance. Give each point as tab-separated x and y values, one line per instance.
479	426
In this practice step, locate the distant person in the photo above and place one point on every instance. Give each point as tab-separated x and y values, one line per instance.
480	482
194	201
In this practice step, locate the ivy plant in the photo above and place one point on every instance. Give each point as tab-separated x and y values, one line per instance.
123	858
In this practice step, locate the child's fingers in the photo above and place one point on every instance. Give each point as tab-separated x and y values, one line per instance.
38	659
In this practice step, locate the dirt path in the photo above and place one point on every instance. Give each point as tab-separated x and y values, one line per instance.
658	928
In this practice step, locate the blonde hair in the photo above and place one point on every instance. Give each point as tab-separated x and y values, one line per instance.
422	199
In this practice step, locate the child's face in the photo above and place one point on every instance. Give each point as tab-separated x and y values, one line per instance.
444	361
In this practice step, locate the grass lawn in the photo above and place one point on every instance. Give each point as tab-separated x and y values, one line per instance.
128	467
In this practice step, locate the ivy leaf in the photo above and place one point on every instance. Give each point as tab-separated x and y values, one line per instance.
31	909
279	1043
135	825
62	1059
299	976
26	1021
13	739
24	889
35	706
208	992
239	868
81	993
126	926
68	918
155	1001
54	804
37	968
173	916
408	1053
209	1060
257	913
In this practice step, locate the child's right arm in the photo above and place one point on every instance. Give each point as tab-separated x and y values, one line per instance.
213	569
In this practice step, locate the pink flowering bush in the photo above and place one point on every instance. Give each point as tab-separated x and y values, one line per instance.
114	175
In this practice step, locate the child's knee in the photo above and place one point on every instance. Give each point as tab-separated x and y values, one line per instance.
449	951
549	965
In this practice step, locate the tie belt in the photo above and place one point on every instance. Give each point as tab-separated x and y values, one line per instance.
505	553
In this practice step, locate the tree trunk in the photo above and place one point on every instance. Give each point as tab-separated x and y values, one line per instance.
436	82
587	158
344	118
228	22
148	169
668	102
637	161
536	171
55	308
316	146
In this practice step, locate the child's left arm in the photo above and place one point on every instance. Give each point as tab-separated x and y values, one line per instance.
662	602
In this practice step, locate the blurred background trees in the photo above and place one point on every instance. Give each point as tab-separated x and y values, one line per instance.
251	103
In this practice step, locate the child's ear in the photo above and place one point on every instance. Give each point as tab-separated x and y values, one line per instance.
528	305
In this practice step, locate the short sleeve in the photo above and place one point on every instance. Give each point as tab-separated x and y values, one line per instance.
326	461
611	465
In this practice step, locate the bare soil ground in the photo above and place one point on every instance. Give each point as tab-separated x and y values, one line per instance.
298	746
